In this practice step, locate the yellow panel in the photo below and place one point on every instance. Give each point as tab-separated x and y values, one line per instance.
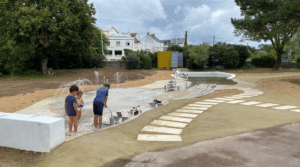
163	59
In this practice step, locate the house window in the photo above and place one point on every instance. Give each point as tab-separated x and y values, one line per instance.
118	52
110	52
118	43
127	43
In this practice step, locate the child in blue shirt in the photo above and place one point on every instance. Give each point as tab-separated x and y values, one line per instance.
71	107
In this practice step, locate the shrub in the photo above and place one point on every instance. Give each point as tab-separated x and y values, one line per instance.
243	54
132	61
153	57
225	55
267	60
298	59
146	62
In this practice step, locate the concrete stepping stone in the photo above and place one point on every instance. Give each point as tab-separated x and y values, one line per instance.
297	110
241	96
195	108
171	118
190	111
233	98
206	103
267	105
162	130
150	137
216	101
285	107
169	123
251	103
198	105
183	115
235	101
223	99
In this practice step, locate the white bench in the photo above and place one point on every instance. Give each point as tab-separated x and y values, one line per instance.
31	132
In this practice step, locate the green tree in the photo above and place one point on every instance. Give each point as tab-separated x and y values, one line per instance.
243	54
292	49
175	48
96	46
225	55
266	20
42	29
198	56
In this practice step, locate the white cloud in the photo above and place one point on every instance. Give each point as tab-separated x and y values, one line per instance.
130	11
177	9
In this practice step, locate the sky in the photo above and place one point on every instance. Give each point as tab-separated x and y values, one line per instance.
202	19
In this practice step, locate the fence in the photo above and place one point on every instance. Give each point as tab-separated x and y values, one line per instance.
110	64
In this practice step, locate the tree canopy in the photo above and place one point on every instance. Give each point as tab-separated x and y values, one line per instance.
46	30
274	20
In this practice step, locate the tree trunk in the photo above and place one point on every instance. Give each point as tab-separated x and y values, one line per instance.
278	61
44	63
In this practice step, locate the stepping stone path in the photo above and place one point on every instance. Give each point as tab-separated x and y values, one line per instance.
170	126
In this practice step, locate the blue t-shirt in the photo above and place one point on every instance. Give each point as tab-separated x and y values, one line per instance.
100	95
70	108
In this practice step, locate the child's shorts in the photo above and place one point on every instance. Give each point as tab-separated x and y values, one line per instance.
98	108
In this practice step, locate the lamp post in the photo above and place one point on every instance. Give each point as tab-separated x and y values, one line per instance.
101	36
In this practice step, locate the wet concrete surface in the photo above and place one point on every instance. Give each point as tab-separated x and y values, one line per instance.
276	147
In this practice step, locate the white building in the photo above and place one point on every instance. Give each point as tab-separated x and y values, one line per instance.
177	41
151	44
137	40
120	42
117	45
109	31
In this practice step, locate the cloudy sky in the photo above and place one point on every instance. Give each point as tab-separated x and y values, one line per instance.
202	19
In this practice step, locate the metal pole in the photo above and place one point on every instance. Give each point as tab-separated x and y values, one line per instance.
101	36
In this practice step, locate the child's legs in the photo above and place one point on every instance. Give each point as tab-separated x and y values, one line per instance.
75	123
71	123
95	120
79	115
100	121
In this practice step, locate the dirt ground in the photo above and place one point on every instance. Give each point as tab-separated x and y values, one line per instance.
28	92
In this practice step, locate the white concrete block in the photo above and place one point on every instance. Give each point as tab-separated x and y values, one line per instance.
169	123
287	107
251	103
235	101
150	137
267	105
183	115
190	111
206	103
215	101
195	108
198	105
31	132
176	119
162	130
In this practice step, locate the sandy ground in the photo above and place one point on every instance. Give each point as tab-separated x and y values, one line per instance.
12	157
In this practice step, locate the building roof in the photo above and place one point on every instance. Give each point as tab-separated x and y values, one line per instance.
133	34
165	41
179	41
136	40
155	38
108	29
